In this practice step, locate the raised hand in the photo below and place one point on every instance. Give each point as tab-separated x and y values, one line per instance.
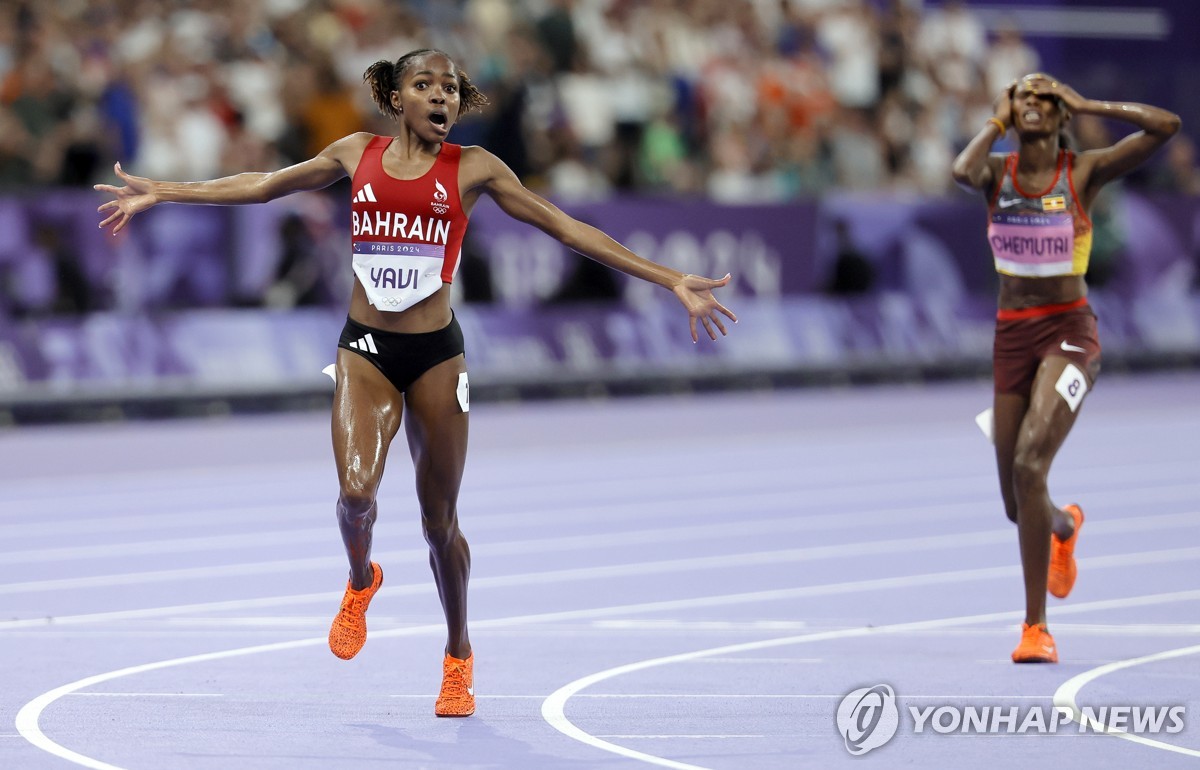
695	292
1002	107
136	196
1069	96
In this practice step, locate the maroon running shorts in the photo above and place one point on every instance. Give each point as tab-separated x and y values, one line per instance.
1024	341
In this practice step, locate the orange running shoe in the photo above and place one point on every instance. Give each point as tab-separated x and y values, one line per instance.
348	633
1062	557
1037	645
457	698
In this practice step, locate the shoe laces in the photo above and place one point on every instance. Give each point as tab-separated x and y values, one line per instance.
454	680
352	604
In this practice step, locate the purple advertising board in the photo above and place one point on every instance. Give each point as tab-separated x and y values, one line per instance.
192	299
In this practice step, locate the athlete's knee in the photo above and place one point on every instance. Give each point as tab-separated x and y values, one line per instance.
439	525
356	499
1029	472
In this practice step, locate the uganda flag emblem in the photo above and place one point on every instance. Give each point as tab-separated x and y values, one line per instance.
1054	203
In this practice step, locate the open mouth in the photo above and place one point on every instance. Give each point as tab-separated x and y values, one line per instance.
1031	116
438	119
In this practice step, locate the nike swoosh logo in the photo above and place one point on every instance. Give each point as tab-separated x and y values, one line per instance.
1009	202
471	691
1047	649
1073	348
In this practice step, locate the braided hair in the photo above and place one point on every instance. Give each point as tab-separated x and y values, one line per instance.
384	77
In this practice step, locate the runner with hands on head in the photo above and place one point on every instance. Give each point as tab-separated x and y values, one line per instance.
1046	353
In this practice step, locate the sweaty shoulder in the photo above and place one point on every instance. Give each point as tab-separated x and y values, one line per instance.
477	167
349	149
1086	161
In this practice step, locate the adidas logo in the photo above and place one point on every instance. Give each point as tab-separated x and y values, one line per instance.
365	194
365	343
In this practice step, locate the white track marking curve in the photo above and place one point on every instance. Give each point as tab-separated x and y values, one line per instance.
28	717
554	707
1066	695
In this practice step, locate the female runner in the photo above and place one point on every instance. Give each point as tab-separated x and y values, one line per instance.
401	350
1046	353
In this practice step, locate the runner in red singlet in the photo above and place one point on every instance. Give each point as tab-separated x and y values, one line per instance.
401	351
1046	354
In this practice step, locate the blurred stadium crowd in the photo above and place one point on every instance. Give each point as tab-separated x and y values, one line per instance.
742	101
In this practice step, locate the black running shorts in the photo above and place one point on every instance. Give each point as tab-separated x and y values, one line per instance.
402	358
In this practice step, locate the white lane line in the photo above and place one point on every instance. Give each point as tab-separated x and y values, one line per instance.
115	489
554	707
761	502
540	508
1030	735
675	533
100	521
29	715
1066	696
637	736
274	621
751	478
758	660
669	624
693	695
197	544
1008	663
27	718
933	578
753	558
1092	629
202	476
148	694
478	696
1131	629
570	483
742	696
419	555
645	695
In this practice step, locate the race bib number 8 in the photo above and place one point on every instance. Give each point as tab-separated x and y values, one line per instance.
1072	386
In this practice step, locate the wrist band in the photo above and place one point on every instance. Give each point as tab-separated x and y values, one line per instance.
999	125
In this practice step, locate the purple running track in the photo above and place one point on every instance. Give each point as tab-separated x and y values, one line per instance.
681	582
